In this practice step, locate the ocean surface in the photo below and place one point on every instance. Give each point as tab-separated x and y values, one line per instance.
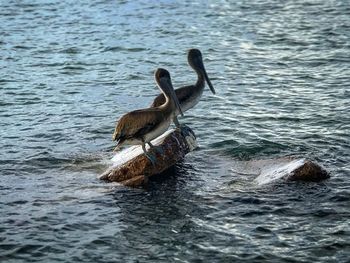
70	69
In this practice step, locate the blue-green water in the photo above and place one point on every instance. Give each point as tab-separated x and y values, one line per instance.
69	69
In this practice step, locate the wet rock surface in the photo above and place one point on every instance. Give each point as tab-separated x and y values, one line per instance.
132	168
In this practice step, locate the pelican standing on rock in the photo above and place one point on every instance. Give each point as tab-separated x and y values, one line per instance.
142	126
189	96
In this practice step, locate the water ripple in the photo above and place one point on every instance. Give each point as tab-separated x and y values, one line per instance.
71	69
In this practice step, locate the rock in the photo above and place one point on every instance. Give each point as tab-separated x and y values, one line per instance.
287	168
308	171
132	168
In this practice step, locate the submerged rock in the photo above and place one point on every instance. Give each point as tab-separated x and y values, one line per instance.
287	168
308	171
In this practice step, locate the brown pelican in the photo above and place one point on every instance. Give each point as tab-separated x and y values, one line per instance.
190	95
142	126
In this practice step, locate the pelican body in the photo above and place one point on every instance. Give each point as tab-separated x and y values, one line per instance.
189	96
141	126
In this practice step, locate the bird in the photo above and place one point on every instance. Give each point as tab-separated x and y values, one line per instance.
139	127
190	95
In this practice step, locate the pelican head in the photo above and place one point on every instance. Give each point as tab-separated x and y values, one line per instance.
195	60
163	79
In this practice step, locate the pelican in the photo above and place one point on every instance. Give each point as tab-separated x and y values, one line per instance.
141	126
189	96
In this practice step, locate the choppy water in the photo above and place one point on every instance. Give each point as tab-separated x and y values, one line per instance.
69	69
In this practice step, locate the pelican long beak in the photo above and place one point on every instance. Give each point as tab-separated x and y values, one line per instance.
175	99
178	104
202	68
169	86
209	82
207	78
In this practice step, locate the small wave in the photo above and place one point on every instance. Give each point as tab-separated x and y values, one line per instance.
12	249
47	162
71	50
119	48
246	151
135	77
73	68
22	47
43	65
6	103
7	80
93	162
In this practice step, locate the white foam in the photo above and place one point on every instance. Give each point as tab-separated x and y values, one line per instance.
273	170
